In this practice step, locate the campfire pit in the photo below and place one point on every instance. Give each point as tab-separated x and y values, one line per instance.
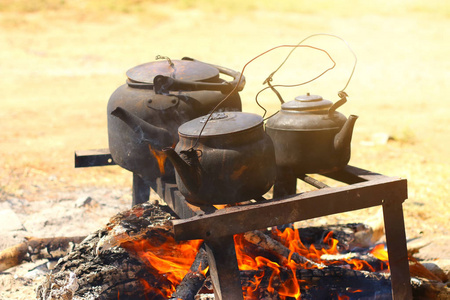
216	227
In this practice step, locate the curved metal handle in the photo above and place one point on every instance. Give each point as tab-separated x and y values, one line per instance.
349	48
343	95
163	84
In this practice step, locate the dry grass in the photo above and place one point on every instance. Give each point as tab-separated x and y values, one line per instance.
61	60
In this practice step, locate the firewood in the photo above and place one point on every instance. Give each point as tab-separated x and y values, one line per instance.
204	297
272	245
321	283
327	283
99	276
349	235
418	270
439	267
37	248
424	289
333	282
102	266
194	279
366	262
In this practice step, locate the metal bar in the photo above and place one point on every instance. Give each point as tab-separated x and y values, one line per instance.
396	244
351	175
141	190
223	268
93	158
285	184
176	201
314	182
233	220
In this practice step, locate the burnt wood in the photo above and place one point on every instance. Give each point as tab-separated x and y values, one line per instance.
194	279
327	283
102	269
37	248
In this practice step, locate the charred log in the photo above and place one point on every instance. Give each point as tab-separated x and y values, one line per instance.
194	279
105	276
366	262
328	283
276	247
349	236
37	248
102	270
424	289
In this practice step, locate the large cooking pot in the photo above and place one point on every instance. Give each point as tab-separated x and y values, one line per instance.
144	114
229	160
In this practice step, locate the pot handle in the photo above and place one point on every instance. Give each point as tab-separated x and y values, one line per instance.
343	95
163	84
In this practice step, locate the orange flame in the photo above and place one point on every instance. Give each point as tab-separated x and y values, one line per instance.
379	252
203	271
291	239
165	257
289	288
160	157
171	261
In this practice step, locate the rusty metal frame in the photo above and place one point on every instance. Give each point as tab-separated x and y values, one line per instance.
365	189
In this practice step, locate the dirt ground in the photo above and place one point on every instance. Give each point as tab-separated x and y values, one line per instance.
58	69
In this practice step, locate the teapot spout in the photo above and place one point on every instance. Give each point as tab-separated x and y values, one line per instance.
157	137
188	172
343	139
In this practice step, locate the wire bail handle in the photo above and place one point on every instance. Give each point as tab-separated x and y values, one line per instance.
342	94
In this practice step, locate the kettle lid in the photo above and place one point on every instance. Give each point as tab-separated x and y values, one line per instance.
188	70
220	123
307	102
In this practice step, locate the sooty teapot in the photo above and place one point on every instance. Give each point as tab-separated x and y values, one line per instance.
144	114
310	136
229	160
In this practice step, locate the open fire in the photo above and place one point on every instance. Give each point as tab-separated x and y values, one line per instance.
170	261
295	268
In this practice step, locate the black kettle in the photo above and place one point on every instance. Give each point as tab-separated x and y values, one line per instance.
228	160
144	114
310	136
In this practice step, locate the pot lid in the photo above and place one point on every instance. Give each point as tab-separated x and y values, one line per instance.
307	102
220	123
188	70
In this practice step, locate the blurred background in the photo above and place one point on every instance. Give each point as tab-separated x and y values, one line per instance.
61	60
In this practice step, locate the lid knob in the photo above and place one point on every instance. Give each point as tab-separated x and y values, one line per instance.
308	97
